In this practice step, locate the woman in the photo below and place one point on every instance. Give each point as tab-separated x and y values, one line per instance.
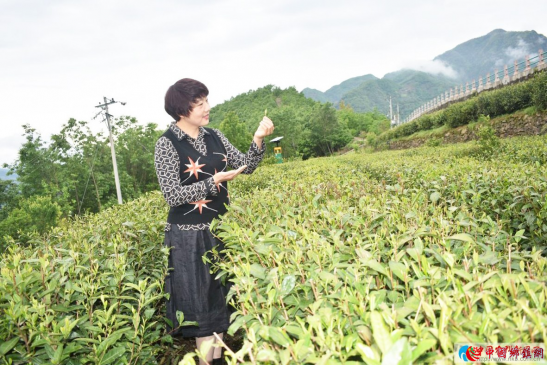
192	167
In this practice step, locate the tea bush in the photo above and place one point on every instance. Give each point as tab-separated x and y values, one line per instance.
396	255
87	294
389	257
539	95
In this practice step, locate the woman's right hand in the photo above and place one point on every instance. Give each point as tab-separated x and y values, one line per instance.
227	175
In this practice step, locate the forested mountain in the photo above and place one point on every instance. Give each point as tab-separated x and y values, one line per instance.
239	117
335	93
482	55
292	112
309	128
410	88
250	106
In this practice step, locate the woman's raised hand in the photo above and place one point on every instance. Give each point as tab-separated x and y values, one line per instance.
227	175
265	128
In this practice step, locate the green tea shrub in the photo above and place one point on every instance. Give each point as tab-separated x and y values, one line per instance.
371	139
32	215
401	253
433	142
270	160
408	128
425	122
539	88
353	259
489	143
461	113
439	119
90	293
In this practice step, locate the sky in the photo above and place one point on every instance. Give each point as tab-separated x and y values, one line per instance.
59	58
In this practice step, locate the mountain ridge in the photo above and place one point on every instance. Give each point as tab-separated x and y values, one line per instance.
410	88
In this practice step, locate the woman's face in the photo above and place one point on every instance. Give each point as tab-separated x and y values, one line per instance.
199	116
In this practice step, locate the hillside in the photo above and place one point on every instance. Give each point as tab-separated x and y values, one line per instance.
335	93
407	89
397	254
250	106
483	55
308	128
411	88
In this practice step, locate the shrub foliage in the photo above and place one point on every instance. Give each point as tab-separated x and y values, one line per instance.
358	258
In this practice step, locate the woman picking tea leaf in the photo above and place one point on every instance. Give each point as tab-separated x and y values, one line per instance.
192	167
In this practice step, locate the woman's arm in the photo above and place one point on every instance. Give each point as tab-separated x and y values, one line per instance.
236	159
167	163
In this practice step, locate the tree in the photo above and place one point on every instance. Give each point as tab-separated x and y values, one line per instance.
35	166
326	135
236	132
75	169
135	148
289	123
9	197
36	214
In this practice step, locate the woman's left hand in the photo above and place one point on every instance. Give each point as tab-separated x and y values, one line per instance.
265	128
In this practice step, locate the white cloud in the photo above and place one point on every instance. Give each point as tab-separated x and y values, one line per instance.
519	52
434	67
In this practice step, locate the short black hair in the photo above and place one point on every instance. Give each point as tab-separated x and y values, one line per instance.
181	95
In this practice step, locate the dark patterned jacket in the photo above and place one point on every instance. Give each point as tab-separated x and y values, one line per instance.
185	167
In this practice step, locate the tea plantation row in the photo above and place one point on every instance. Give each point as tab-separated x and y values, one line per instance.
390	258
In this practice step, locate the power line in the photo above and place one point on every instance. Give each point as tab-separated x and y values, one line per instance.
89	177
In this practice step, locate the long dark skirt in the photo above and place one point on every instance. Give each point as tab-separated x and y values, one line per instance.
192	288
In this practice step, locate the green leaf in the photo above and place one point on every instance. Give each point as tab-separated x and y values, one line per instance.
435	196
422	347
180	317
288	284
188	359
399	270
149	313
113	355
489	258
398	354
205	346
57	356
8	345
380	332
464	274
303	348
278	336
236	325
462	237
265	355
367	354
376	266
110	340
258	271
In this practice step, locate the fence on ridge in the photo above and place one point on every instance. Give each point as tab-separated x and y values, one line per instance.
518	72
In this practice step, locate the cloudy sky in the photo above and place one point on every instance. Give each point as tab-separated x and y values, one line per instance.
59	58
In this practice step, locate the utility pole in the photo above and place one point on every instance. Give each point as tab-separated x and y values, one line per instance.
390	110
116	178
391	120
